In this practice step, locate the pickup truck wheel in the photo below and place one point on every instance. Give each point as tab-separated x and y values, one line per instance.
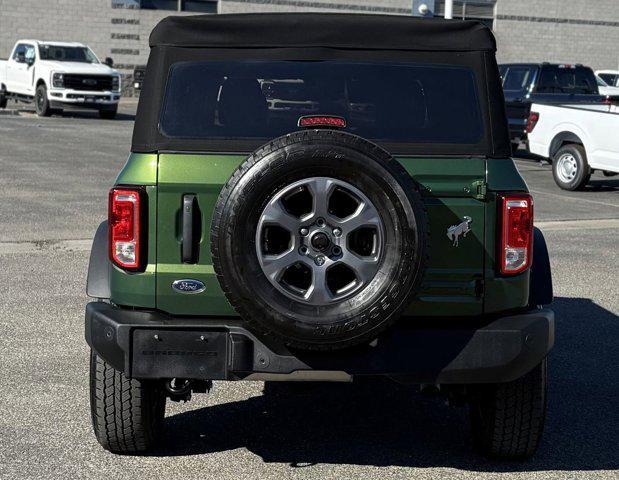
507	419
127	414
570	168
319	239
41	103
3	99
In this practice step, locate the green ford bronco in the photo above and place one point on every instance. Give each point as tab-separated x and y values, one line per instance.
319	197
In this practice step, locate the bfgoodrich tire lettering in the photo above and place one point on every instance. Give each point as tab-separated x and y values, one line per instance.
358	318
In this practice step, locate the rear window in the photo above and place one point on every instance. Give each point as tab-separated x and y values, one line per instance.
388	102
558	79
517	78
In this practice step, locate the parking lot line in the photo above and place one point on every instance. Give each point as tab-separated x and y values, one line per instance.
577	199
79	245
598	224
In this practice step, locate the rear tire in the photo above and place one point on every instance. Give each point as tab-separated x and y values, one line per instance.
570	168
127	414
507	419
41	103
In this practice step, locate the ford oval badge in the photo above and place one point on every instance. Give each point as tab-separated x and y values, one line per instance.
187	285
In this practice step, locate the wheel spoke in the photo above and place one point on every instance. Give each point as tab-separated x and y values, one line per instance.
274	266
319	292
365	216
320	188
364	267
275	214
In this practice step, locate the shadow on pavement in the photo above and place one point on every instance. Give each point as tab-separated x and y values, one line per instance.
87	114
384	424
609	184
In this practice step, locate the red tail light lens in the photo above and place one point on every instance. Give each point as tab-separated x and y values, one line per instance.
322	121
532	121
516	233
124	218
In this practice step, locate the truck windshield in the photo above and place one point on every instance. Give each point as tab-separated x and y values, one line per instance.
67	54
390	102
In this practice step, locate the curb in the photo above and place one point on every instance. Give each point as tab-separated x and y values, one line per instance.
10	113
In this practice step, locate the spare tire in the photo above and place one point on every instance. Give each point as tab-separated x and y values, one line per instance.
319	239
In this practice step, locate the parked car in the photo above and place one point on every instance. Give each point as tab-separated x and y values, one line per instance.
611	77
577	139
607	90
525	83
56	76
138	77
388	234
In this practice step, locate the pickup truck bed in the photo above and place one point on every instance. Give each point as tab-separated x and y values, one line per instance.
577	139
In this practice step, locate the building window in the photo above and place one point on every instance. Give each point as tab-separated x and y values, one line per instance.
204	6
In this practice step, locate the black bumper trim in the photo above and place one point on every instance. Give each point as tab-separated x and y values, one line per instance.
83	105
149	344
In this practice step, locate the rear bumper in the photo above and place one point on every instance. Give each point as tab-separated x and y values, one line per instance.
148	344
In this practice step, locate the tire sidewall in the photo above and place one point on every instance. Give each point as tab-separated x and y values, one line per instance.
582	173
360	315
44	110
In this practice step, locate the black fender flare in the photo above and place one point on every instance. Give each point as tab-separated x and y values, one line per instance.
99	266
561	139
540	284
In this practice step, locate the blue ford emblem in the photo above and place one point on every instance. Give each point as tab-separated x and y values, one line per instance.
188	285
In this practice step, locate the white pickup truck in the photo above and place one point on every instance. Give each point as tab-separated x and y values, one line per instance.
56	76
576	139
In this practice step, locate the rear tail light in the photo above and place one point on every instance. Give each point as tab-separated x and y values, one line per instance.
532	121
125	229
516	233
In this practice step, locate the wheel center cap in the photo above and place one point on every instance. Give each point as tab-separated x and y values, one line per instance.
320	241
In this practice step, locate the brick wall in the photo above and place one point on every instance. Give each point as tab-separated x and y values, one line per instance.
526	30
558	31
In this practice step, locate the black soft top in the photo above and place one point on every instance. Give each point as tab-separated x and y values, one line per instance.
320	37
356	31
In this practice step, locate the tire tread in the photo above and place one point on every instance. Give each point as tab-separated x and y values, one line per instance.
126	413
507	419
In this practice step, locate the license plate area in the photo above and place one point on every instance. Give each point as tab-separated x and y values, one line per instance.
179	354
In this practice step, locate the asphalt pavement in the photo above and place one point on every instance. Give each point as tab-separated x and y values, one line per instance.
54	177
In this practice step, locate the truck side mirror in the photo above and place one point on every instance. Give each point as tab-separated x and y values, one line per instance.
109	62
30	61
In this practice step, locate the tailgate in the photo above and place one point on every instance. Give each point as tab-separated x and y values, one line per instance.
453	193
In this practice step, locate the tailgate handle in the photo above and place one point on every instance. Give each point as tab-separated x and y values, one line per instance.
192	229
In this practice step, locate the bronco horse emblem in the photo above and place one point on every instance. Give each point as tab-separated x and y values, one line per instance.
454	232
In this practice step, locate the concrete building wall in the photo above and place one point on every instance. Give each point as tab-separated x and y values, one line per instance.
526	30
571	31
